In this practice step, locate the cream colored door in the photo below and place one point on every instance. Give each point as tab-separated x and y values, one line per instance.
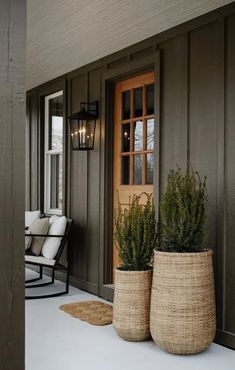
134	140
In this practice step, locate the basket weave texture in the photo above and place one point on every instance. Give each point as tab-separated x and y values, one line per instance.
182	317
131	308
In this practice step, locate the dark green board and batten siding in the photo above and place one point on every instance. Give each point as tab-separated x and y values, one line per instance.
195	115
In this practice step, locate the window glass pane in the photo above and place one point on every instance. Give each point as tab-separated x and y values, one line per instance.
125	170
150	134
56	181
55	120
138	102
126	137
150	99
150	163
138	135
126	105
138	169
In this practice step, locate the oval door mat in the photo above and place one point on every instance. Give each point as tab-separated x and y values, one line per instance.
93	312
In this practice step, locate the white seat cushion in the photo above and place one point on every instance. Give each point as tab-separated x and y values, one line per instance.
40	260
31	216
51	245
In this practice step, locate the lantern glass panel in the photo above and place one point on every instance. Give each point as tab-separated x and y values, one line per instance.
82	134
86	133
74	133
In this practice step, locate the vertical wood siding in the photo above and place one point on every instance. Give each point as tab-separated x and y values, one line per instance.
79	188
12	156
202	114
174	105
94	189
197	123
229	250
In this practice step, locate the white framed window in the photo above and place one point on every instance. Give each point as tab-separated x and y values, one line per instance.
53	144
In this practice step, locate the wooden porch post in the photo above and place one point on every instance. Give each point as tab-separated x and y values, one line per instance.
12	173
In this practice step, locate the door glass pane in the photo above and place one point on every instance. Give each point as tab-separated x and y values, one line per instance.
150	99
125	170
138	169
150	134
55	126
56	181
126	137
138	135
150	162
126	105
138	102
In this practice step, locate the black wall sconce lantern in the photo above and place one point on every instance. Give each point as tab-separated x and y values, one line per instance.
82	126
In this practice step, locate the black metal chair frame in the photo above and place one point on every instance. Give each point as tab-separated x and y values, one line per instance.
56	267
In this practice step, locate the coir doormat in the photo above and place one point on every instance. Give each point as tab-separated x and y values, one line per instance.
93	312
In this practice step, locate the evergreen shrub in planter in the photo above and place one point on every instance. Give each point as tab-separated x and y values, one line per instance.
135	234
182	317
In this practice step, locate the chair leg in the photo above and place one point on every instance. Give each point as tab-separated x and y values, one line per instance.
53	276
66	291
67	281
43	284
37	278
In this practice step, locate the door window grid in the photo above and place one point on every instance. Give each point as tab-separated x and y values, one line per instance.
137	135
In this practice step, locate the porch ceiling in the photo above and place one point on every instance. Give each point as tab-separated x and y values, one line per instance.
65	34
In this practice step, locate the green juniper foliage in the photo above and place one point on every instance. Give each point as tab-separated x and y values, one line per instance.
135	233
183	213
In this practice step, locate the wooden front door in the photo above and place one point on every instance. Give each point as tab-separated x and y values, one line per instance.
134	140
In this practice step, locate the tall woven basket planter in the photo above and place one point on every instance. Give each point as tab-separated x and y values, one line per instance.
182	318
131	307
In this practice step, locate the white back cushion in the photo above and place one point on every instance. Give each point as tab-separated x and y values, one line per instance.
53	218
31	216
28	239
51	245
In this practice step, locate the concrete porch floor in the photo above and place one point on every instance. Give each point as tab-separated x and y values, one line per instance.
56	341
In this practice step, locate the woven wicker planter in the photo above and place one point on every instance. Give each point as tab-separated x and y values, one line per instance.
131	308
182	318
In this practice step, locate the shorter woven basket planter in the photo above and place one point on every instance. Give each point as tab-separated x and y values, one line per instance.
182	318
131	307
